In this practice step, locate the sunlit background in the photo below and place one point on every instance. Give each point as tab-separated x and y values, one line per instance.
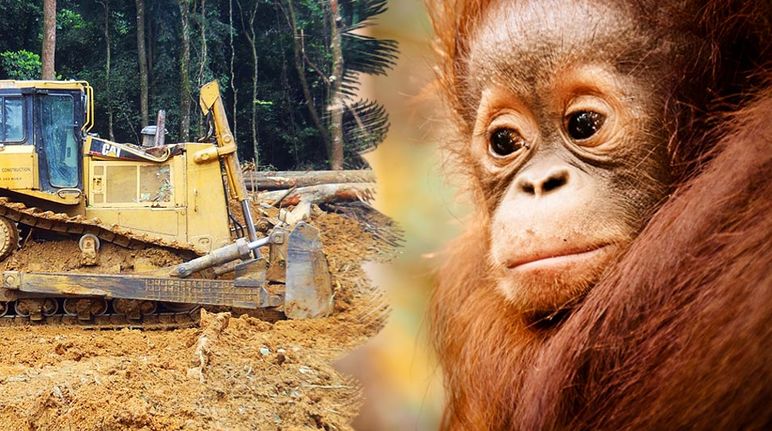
401	380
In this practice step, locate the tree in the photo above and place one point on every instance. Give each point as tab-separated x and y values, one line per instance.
365	123
142	60
232	71
249	32
108	70
202	56
300	57
283	54
49	39
350	126
21	64
335	107
186	93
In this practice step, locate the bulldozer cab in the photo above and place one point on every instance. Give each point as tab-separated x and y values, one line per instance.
59	139
47	119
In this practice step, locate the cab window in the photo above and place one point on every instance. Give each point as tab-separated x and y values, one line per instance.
12	117
59	140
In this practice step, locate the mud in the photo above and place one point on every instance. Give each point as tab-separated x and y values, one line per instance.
231	373
64	256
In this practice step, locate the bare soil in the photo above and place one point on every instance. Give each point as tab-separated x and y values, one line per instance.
231	373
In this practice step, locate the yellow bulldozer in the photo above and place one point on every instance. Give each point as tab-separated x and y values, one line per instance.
58	178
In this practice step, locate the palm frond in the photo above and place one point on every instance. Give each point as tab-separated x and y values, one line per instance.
365	125
357	14
365	54
350	84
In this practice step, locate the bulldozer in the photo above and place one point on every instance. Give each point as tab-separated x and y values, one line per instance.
59	179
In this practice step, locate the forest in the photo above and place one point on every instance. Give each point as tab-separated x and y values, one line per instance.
289	70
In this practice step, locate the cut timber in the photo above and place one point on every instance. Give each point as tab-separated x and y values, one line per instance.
323	193
288	179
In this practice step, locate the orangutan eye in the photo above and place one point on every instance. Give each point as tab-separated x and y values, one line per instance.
505	141
582	125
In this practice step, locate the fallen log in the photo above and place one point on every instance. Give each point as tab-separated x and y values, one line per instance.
279	180
323	193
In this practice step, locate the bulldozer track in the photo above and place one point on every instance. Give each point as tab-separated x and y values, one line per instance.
80	225
157	321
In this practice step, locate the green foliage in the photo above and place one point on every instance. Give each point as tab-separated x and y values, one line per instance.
122	24
69	19
20	64
287	137
75	37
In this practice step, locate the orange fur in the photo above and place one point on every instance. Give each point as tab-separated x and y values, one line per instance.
677	334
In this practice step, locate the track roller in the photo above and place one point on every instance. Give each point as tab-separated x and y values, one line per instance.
134	309
85	308
3	308
9	237
36	308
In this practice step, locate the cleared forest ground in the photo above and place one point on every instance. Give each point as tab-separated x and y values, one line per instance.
231	373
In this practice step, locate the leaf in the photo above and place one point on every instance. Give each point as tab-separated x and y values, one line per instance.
365	54
20	65
365	125
359	13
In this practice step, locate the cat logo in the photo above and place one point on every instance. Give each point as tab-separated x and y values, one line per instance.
111	150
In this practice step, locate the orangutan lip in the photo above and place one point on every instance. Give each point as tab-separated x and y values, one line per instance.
556	257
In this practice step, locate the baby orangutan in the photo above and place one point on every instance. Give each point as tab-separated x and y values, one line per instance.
618	153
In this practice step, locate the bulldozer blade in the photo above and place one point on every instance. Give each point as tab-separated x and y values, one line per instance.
309	284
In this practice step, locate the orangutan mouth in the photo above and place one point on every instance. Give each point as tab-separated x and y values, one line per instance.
555	259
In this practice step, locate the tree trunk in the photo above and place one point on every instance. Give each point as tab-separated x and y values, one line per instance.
150	48
300	69
185	93
335	107
254	100
142	58
233	73
279	180
202	58
322	193
108	70
49	40
249	32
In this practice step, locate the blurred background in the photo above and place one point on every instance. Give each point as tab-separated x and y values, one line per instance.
401	380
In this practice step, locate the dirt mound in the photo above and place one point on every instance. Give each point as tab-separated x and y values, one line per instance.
231	373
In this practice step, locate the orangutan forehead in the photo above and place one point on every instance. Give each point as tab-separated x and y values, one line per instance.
522	43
